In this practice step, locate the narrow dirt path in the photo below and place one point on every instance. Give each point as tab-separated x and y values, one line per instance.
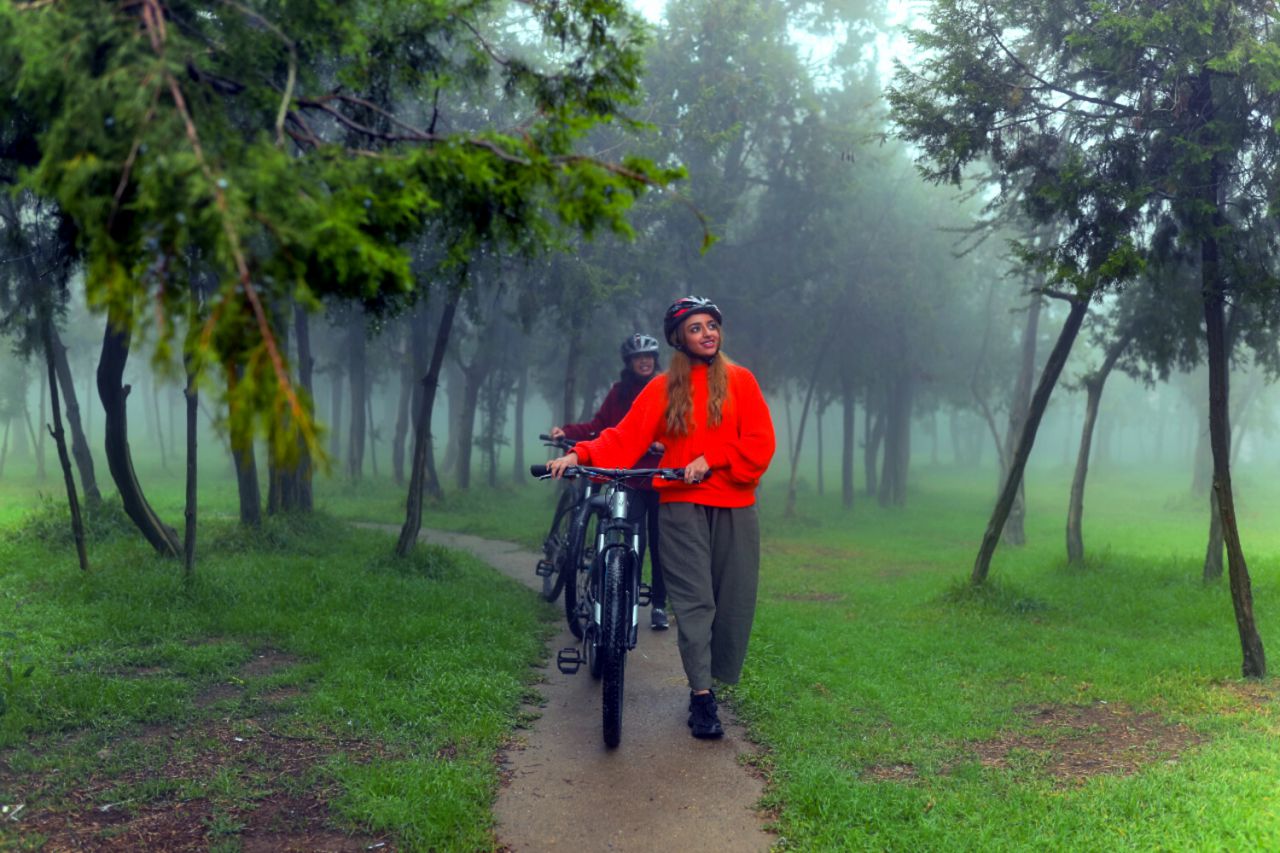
660	789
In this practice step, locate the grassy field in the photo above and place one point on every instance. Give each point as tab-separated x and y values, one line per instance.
1058	708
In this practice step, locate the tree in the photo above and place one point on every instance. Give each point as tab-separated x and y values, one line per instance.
256	140
1140	132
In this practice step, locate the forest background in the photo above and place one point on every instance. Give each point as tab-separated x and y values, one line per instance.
934	278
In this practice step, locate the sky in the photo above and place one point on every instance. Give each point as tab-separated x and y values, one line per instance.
889	44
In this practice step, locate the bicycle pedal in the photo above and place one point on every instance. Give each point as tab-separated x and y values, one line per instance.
545	569
568	660
645	596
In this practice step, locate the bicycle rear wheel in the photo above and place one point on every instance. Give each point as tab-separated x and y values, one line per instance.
577	598
556	546
615	628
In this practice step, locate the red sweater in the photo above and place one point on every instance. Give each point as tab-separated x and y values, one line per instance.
614	408
738	450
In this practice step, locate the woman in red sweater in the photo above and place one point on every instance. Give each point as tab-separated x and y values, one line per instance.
640	364
712	420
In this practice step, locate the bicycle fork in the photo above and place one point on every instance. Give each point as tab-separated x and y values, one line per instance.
617	532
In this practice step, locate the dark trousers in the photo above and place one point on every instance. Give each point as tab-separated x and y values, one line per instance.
642	507
713	567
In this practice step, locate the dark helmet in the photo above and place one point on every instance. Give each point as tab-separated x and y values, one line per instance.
638	344
683	307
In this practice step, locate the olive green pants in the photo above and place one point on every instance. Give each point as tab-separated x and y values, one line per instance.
711	560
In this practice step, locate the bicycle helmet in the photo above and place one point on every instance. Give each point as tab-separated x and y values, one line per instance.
683	307
638	344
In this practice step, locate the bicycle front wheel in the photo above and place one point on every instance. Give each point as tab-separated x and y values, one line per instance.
556	546
615	629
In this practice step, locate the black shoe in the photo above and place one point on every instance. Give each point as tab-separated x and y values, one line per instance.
703	720
658	619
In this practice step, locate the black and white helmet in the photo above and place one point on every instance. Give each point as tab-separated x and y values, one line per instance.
683	307
638	344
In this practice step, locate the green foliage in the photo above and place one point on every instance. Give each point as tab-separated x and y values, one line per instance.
220	161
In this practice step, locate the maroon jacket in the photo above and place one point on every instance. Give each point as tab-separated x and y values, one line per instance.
615	406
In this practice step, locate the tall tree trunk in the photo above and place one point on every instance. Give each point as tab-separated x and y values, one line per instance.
571	377
247	487
337	386
373	431
155	412
874	430
60	440
422	433
192	398
306	368
79	442
847	442
359	388
114	395
1014	529
1254	662
4	448
1026	439
407	383
817	422
279	480
1212	570
798	440
517	441
475	376
897	441
1075	509
39	442
455	388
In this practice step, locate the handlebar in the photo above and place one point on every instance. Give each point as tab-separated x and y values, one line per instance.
561	443
615	474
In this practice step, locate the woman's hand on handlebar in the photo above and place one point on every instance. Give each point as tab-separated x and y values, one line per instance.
557	467
557	433
697	470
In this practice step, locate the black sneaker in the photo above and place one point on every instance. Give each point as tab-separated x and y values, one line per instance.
703	720
658	619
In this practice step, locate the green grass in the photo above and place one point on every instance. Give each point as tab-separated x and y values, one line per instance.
395	663
870	651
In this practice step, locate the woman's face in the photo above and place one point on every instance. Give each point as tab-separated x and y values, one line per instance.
643	365
701	335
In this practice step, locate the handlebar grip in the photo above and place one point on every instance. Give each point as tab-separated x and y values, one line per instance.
539	471
544	437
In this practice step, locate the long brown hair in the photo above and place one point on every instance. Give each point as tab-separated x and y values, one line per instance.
680	391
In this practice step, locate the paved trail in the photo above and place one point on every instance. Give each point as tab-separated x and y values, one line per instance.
659	790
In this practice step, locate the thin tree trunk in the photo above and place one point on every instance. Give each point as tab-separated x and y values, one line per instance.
79	441
192	397
306	368
336	388
155	411
402	411
1212	570
1254	662
418	473
36	443
798	440
817	422
373	432
570	378
1015	529
874	430
247	487
1075	509
114	395
847	444
60	440
466	425
4	448
359	389
1026	439
517	441
40	469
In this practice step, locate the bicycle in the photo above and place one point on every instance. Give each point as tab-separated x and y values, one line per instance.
611	593
562	546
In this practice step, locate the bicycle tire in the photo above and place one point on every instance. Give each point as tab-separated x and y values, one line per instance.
576	597
615	629
555	546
